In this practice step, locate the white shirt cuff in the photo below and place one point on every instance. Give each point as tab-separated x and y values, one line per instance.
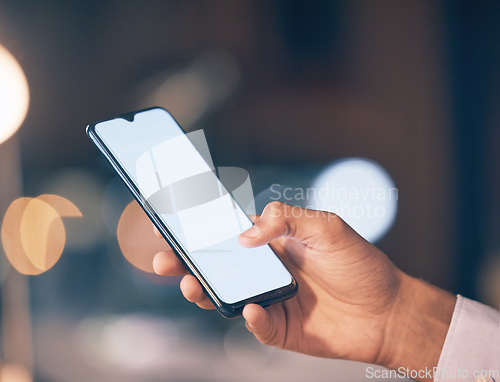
472	345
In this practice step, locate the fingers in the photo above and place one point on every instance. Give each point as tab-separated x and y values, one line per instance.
166	263
193	292
260	323
282	220
157	233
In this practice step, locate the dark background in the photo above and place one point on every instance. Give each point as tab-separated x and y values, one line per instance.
413	85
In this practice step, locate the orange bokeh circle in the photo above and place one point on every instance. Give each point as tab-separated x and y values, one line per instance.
137	241
33	234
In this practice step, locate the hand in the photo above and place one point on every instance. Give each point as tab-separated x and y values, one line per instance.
351	299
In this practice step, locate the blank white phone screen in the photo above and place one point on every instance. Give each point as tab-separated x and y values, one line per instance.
184	191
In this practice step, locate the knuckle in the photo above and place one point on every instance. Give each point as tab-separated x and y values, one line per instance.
274	209
327	216
281	217
336	220
271	339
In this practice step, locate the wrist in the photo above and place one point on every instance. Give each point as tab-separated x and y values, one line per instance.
416	327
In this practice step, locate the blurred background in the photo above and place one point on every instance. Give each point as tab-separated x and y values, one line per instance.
284	89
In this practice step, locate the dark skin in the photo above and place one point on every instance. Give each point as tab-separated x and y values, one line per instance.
353	302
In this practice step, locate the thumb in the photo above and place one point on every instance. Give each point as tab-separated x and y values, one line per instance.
260	323
282	220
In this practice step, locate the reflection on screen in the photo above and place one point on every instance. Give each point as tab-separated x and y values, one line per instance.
184	190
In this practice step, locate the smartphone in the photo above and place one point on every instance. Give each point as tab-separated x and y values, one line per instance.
198	217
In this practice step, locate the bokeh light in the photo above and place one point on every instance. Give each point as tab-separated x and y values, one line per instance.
85	190
33	234
361	192
133	342
136	238
489	282
14	95
115	198
14	372
42	234
197	89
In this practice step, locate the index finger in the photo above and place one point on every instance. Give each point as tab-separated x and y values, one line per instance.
166	263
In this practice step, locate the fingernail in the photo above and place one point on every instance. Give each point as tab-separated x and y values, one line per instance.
252	232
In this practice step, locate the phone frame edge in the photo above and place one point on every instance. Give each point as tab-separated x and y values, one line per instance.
227	310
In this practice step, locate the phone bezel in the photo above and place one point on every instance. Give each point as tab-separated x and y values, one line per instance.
228	310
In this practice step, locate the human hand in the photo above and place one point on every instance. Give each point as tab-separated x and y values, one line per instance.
351	297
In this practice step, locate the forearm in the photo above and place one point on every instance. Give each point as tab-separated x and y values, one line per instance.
417	328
